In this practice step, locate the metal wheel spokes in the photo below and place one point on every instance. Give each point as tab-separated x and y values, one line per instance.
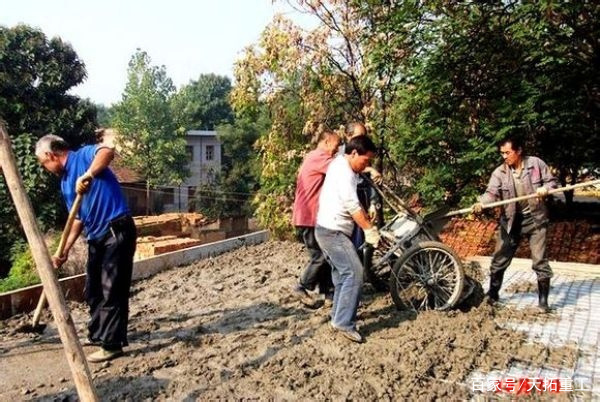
429	279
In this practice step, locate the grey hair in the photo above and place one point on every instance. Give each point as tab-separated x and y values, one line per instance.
50	143
351	127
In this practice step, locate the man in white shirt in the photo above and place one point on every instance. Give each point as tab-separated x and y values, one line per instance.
339	209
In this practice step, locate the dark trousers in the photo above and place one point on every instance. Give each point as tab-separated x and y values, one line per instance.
317	271
109	268
507	244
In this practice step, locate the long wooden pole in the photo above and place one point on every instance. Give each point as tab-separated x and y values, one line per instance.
523	198
59	252
66	329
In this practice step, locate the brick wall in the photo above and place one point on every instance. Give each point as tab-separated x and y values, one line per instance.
569	241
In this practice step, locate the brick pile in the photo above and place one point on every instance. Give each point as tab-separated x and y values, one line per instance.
160	225
568	241
169	232
150	246
174	223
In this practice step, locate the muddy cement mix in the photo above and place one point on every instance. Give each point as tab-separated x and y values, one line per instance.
229	327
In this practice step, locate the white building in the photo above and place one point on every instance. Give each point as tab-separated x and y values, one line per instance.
204	153
204	156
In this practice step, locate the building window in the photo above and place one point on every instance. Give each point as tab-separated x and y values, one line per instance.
189	150
210	152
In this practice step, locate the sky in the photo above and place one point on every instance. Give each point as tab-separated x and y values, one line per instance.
188	37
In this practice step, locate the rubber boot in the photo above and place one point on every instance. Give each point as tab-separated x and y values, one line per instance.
543	290
495	285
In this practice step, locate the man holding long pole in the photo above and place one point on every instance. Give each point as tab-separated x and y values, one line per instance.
519	175
110	233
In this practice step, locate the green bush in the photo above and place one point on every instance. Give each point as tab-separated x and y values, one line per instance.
23	272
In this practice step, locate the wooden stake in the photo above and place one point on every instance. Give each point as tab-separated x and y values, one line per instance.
62	317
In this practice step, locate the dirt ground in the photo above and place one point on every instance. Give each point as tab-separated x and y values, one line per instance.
527	287
228	327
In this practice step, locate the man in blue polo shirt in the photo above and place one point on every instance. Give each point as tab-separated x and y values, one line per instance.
110	233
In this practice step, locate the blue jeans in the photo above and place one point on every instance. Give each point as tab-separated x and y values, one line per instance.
347	275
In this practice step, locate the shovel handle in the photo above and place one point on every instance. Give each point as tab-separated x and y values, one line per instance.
59	251
65	234
523	198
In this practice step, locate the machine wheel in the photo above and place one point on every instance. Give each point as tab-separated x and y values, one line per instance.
428	276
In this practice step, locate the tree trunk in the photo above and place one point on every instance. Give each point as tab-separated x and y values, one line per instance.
567	177
379	207
147	198
569	195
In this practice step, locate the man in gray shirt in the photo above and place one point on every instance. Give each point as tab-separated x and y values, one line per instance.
519	175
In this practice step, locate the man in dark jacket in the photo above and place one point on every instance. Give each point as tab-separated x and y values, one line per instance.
519	175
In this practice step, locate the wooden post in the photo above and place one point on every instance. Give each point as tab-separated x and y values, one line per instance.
66	329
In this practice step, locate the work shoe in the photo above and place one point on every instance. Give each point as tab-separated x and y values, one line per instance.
350	334
91	342
302	294
104	355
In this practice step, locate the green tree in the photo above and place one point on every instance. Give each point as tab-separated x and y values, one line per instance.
438	82
305	79
561	83
35	75
149	141
339	71
203	104
449	112
487	69
104	115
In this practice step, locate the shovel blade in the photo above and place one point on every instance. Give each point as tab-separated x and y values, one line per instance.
436	220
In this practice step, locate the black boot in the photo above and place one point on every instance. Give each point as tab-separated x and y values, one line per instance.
543	290
495	285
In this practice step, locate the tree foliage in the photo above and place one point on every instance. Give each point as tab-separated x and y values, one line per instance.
203	104
104	115
35	75
147	136
308	80
487	69
438	83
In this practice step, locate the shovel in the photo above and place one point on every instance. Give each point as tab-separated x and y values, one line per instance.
35	324
442	214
